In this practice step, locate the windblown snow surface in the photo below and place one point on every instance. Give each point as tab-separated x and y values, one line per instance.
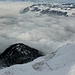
60	63
45	33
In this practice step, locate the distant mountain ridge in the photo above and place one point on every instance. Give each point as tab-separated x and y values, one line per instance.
65	9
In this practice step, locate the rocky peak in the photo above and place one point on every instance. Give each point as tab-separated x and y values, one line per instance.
19	54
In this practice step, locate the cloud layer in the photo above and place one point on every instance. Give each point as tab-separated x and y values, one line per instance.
43	32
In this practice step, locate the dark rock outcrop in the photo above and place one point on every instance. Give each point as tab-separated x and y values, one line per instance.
25	10
18	54
53	12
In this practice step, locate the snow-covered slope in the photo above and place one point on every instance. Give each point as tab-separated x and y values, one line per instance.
62	62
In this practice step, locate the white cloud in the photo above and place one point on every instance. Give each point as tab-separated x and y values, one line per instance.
43	32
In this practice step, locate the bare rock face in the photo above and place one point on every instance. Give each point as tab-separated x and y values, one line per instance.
18	54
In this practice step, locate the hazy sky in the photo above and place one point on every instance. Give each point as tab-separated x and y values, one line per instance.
67	1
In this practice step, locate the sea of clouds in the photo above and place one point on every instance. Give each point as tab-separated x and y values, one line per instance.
43	32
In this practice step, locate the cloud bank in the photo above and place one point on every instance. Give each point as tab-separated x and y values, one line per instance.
43	32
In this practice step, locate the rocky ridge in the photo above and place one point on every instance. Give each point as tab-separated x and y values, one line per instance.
51	9
18	54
